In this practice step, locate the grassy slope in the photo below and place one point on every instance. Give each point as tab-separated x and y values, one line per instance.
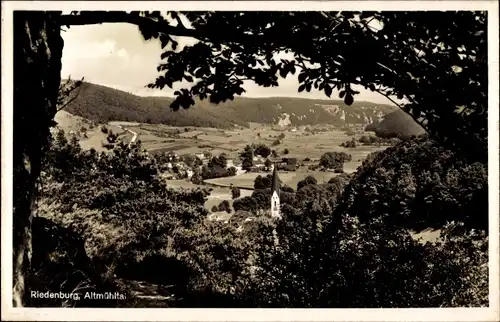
104	104
73	124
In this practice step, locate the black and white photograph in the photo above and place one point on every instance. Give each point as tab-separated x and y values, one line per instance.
250	155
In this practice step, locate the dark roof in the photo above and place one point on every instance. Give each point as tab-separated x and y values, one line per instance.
275	186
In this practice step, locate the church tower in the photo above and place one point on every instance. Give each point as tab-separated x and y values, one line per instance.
275	194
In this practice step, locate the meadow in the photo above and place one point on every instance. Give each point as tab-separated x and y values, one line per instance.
88	132
301	144
291	179
217	194
304	142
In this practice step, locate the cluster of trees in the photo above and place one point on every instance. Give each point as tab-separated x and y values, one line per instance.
358	229
252	150
217	168
370	140
334	161
307	188
262	150
349	144
423	183
246	157
192	160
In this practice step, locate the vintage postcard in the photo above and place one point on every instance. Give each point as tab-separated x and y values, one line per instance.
250	161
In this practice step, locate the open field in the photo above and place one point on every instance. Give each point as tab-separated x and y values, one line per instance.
72	124
246	180
217	195
300	144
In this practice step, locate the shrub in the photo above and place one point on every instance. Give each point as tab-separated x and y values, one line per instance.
224	206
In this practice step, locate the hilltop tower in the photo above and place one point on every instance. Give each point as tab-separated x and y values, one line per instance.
275	194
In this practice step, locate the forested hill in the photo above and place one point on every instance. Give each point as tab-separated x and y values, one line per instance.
103	104
396	124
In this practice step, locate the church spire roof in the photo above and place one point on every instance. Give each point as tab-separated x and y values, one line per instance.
275	185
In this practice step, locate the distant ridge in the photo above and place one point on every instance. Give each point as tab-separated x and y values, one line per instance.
103	104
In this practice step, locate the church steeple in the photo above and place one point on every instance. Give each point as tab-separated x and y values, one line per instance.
275	194
275	185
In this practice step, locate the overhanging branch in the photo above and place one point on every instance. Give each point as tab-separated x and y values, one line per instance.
158	25
99	17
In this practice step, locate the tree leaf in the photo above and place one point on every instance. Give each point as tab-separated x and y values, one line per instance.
348	100
302	77
328	90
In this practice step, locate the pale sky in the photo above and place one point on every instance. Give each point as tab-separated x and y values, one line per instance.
117	56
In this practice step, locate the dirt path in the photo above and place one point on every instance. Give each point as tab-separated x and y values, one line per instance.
131	132
146	294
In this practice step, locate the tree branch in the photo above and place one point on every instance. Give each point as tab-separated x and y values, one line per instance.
70	100
160	26
99	17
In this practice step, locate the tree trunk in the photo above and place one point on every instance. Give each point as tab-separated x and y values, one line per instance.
37	75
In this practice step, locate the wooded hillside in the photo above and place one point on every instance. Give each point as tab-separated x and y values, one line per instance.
104	104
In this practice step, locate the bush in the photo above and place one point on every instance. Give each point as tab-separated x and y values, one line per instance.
224	206
104	129
111	138
349	144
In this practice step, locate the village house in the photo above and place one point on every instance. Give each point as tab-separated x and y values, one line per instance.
288	164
